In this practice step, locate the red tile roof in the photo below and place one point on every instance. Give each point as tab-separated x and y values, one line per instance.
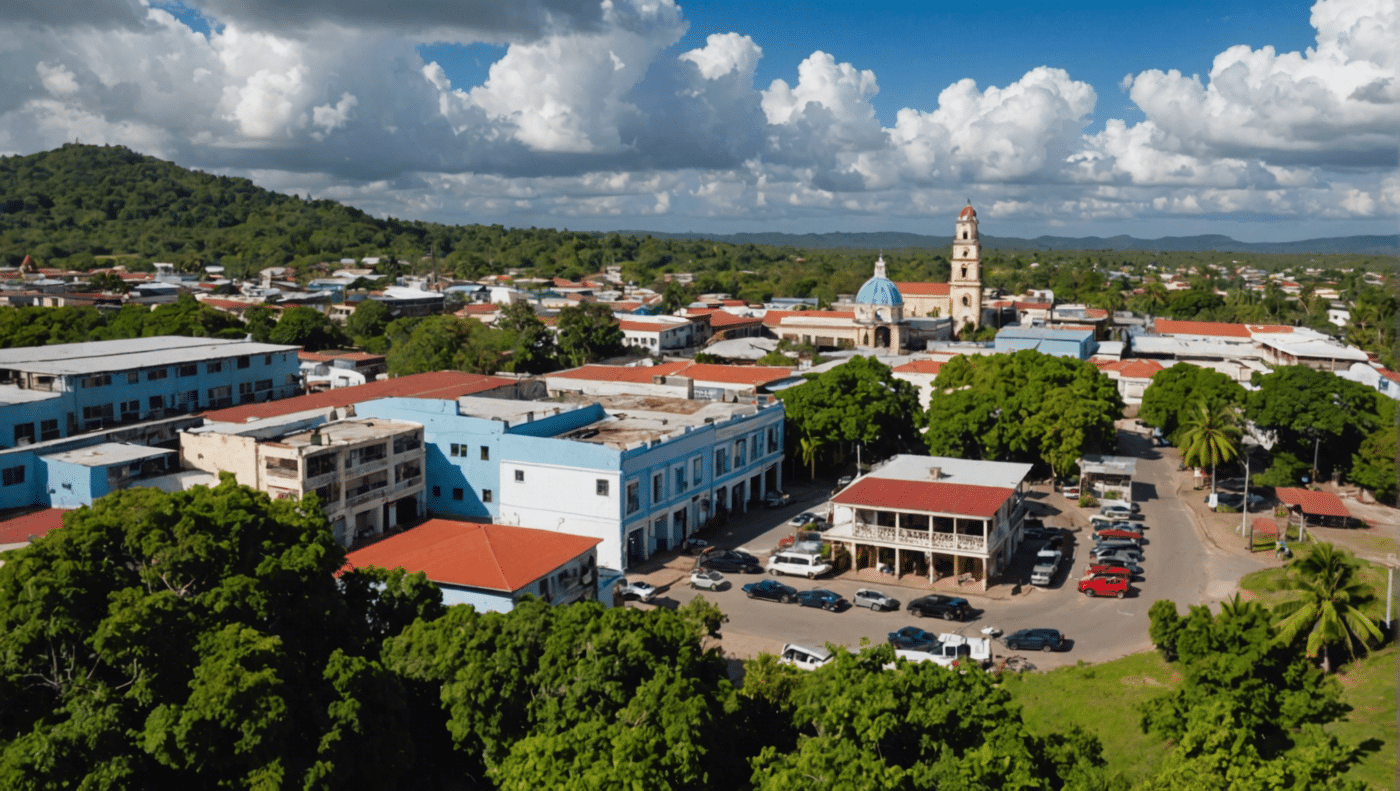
1389	374
227	304
705	372
1033	305
958	499
919	367
923	289
479	307
314	357
736	374
439	384
647	326
493	557
39	523
723	318
774	318
1313	503
1131	369
1096	313
622	373
1264	524
1217	329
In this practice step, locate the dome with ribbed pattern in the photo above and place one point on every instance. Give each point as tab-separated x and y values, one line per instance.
879	290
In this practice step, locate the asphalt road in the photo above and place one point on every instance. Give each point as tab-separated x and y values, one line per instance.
1179	564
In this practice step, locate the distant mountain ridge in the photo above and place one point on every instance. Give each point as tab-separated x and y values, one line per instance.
893	240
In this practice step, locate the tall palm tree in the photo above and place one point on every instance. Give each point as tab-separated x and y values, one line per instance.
809	448
1329	604
1212	435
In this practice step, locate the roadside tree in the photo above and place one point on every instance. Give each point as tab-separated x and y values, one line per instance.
1328	604
1211	435
1315	414
858	402
1175	392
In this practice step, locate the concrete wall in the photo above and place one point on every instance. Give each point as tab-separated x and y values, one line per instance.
216	453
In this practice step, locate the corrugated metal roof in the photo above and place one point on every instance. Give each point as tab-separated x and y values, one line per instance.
128	354
37	524
1313	503
439	384
492	557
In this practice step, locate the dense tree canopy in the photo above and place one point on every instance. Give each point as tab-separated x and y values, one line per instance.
442	343
1315	413
1026	406
199	639
858	402
309	328
588	333
1177	392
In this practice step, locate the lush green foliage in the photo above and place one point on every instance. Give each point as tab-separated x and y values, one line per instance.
1316	412
442	343
858	402
1027	407
1327	609
588	333
199	639
1176	391
308	328
1211	435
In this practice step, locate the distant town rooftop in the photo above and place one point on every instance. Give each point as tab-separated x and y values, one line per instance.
634	419
440	384
346	432
108	453
973	472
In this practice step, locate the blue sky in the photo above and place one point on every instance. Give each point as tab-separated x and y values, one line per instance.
1263	121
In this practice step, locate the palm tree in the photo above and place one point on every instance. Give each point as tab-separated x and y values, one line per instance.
1329	604
1212	434
809	447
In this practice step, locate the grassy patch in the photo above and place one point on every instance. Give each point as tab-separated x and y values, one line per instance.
1369	686
1102	699
1262	585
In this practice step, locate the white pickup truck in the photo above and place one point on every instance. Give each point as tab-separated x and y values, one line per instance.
951	649
1047	562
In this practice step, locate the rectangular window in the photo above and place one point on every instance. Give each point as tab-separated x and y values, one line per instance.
739	448
320	465
753	447
13	476
100	380
24	433
48	429
157	373
697	470
634	497
244	362
454	450
214	367
267	359
658	487
221	396
456	494
486	495
189	369
133	377
262	384
485	453
721	461
437	491
772	439
293	379
131	410
602	487
680	479
157	402
519	476
100	412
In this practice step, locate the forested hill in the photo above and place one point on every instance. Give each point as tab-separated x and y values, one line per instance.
893	240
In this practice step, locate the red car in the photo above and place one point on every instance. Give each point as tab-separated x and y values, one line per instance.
1117	571
1116	533
1104	585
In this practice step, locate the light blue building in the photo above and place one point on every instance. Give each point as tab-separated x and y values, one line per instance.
1079	344
52	392
639	473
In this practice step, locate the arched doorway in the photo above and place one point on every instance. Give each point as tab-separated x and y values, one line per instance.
882	337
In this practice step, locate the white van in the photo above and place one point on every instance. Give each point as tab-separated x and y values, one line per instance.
804	658
798	564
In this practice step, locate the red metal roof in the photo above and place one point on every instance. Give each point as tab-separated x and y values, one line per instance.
493	557
622	373
919	367
39	523
1217	329
705	372
774	318
439	384
736	374
1264	524
1313	503
647	326
958	499
923	289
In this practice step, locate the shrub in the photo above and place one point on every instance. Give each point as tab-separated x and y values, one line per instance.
1087	500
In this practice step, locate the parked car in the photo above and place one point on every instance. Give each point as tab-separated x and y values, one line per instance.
1132	542
1038	533
1117	556
798	564
1099	521
1100	550
823	598
1121	569
844	481
776	499
939	606
636	589
1071	492
1056	541
1032	639
912	637
811	541
1117	512
771	590
730	560
875	600
705	579
1232	500
1114	585
804	658
1128	504
1118	532
809	520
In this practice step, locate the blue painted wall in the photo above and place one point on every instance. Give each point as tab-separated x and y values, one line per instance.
1079	344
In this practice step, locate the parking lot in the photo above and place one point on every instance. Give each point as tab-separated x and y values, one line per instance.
1181	563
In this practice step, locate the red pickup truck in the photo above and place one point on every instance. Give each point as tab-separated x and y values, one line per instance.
1104	585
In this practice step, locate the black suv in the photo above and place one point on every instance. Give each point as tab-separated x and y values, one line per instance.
730	561
946	607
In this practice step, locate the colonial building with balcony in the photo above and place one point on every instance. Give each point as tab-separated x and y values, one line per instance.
368	474
933	516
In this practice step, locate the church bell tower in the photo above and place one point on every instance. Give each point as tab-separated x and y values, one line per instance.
965	284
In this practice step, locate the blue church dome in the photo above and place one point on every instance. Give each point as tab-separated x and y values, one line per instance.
879	290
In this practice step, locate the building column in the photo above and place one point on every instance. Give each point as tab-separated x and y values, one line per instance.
896	563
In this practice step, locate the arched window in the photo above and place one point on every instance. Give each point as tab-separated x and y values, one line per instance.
964	234
964	273
966	301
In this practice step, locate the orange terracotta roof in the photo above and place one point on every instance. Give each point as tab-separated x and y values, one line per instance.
622	373
736	374
1131	369
774	318
1096	313
723	318
1032	305
733	303
919	367
1264	524
472	555
480	307
1313	503
1217	329
314	357
37	524
1389	374
647	326
923	289
958	499
439	384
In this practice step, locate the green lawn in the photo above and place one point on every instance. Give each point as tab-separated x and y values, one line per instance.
1260	585
1369	686
1103	700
